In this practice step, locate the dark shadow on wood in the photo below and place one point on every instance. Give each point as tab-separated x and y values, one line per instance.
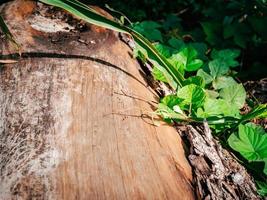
67	56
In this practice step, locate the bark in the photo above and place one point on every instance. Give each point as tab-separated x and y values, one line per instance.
71	124
216	172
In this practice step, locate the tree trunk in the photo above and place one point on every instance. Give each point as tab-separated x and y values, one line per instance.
72	123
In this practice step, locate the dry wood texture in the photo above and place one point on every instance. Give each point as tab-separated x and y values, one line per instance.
69	128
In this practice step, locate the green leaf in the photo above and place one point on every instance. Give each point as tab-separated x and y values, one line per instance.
172	21
170	110
159	60
176	44
187	57
191	64
169	114
251	142
262	188
243	35
212	94
149	29
235	95
217	68
219	107
213	107
194	65
197	80
201	49
171	101
227	56
192	95
259	25
223	82
205	76
241	40
212	30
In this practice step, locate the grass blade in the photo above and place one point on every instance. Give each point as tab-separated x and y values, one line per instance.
86	13
90	15
259	111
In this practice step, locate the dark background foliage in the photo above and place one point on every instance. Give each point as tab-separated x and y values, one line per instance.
240	24
221	24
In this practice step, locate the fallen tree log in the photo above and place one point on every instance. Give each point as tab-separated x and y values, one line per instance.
71	108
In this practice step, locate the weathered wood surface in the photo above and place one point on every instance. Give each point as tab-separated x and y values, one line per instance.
67	131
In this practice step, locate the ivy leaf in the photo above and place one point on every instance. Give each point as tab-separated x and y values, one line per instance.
197	80
217	68
205	76
171	101
194	65
187	57
149	29
223	82
201	49
172	21
176	43
251	142
169	114
213	107
177	64
212	30
192	95
212	94
219	107
235	95
227	56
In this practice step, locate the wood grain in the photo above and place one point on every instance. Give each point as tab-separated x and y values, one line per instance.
70	118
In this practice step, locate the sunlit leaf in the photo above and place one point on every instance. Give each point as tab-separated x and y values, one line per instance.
235	95
206	77
217	68
250	142
192	95
223	82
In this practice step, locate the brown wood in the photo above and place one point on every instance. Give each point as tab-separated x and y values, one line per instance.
70	116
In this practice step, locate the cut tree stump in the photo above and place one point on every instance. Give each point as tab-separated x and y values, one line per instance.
72	122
